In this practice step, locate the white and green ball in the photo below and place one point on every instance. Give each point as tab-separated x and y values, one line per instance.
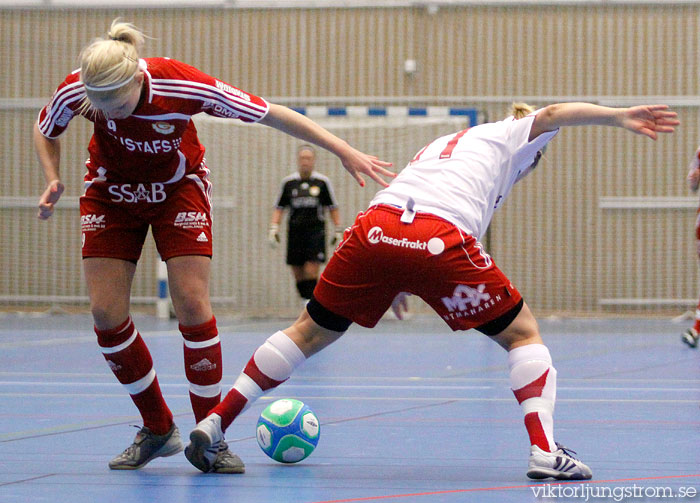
288	430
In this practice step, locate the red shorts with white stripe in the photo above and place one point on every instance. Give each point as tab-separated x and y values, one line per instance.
115	218
380	256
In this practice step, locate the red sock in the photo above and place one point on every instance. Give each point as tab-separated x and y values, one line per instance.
130	360
271	365
696	326
203	366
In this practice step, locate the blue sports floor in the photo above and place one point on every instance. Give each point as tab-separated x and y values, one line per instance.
410	412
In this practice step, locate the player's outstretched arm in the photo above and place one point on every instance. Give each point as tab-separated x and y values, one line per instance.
49	153
647	120
357	163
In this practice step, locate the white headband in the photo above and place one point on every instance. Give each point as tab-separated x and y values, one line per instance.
110	87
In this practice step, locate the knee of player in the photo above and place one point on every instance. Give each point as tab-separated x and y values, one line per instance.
521	331
310	336
190	309
107	315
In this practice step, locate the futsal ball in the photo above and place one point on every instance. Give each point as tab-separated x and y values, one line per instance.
288	430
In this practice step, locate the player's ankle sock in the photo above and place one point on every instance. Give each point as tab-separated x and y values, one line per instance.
696	326
130	360
306	288
271	365
533	380
202	351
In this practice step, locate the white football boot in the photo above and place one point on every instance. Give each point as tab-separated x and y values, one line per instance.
208	451
690	337
559	464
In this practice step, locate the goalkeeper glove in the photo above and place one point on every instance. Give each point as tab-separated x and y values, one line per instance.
273	235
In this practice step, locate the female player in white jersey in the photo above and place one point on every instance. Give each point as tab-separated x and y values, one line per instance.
146	168
420	235
690	336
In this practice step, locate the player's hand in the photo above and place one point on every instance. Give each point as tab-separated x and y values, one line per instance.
694	173
49	198
358	163
273	235
649	120
400	304
337	235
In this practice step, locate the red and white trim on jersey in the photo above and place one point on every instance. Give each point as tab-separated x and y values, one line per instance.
60	111
487	261
230	104
181	169
201	178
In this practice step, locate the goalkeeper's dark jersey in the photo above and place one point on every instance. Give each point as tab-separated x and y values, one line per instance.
306	199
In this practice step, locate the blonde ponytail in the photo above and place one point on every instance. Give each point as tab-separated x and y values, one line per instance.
127	33
520	110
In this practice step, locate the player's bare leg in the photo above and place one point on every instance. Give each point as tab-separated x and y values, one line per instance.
109	286
188	281
309	336
533	381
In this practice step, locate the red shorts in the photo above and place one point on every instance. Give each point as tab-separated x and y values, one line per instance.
115	218
380	256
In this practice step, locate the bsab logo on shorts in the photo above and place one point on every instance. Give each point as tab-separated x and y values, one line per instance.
92	222
191	220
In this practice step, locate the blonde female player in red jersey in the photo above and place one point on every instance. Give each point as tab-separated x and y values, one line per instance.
146	168
421	235
690	336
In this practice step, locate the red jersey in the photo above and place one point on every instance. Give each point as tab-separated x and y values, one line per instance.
158	141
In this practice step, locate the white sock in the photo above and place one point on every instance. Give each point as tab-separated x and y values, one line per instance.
533	380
